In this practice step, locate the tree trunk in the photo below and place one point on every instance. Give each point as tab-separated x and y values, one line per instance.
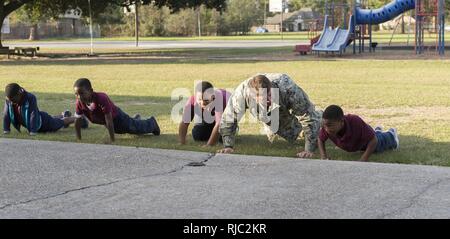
2	18
74	28
1	45
1	23
34	33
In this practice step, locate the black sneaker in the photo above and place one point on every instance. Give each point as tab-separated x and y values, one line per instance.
157	131
66	114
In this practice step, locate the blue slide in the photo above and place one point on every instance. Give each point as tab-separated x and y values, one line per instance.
326	37
336	40
385	13
333	40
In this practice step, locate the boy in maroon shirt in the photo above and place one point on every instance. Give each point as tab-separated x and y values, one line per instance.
99	109
351	133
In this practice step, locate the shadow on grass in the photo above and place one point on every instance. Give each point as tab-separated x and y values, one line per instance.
132	61
158	56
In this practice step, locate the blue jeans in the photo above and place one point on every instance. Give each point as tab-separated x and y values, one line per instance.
124	124
50	123
203	131
386	141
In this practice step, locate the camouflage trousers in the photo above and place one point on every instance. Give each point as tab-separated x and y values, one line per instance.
290	128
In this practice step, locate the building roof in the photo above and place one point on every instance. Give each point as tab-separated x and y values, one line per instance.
304	14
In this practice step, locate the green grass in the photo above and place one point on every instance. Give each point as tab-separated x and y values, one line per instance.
412	95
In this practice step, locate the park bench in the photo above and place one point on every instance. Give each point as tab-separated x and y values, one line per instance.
5	51
26	51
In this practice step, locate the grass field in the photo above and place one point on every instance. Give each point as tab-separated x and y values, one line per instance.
412	95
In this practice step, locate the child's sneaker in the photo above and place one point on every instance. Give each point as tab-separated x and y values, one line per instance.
84	122
66	114
394	133
157	130
137	117
378	129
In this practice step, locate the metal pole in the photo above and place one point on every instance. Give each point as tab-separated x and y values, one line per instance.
136	22
370	37
409	30
441	13
443	27
90	28
332	15
416	28
282	12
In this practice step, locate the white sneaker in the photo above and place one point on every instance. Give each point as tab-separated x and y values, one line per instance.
393	131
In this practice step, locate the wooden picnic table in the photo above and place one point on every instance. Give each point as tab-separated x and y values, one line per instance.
26	51
6	51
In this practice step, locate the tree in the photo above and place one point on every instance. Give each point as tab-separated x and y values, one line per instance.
153	20
110	20
182	23
33	14
35	10
6	8
28	15
53	8
241	15
316	5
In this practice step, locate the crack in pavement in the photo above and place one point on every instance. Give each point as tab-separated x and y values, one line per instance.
413	199
210	156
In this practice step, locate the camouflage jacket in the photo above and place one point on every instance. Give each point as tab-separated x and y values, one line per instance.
291	100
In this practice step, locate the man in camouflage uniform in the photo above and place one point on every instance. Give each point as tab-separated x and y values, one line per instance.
285	110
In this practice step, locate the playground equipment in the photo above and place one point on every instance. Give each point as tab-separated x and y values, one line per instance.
313	36
428	13
400	20
334	40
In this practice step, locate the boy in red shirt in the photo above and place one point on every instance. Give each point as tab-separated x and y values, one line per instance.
351	133
99	109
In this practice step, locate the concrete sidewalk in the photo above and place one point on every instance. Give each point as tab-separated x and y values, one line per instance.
40	179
